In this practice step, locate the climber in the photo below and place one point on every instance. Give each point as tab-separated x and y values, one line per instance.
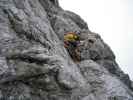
71	41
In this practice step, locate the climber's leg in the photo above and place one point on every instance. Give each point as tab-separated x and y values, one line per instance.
74	53
77	54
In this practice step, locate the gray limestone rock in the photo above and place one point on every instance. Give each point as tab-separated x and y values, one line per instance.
34	65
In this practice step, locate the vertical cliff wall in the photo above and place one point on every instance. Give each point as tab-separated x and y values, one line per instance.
34	65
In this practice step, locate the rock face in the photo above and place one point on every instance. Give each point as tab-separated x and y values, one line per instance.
34	65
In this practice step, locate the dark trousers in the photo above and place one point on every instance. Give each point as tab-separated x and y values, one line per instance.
72	49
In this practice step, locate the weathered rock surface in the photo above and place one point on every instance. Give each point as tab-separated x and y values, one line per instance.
34	65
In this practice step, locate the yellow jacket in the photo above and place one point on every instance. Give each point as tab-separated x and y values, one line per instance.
70	37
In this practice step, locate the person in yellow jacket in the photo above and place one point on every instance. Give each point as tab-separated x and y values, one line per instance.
71	41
